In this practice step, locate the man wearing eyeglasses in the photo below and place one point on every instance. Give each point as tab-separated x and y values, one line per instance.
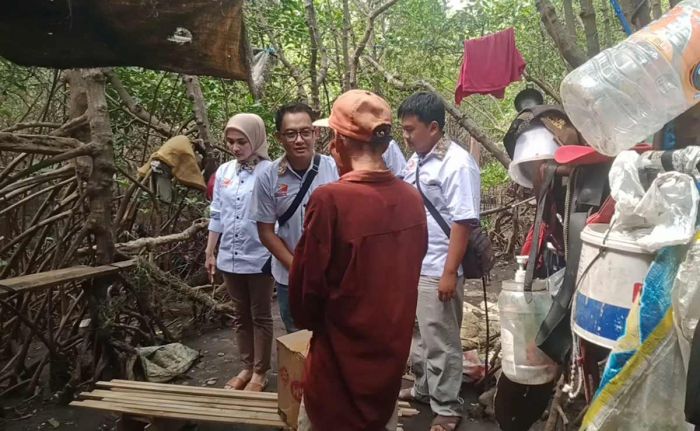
277	187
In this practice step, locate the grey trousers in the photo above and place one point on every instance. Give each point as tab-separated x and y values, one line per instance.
304	423
436	349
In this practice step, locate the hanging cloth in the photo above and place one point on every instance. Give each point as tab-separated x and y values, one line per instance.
490	64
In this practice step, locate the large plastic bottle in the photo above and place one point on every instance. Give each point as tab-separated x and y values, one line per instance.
521	314
628	92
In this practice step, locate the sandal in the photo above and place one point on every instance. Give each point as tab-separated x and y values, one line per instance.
257	387
237	383
445	423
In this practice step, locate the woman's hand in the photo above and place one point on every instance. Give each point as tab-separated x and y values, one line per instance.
210	265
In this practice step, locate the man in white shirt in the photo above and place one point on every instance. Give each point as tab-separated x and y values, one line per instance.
394	158
277	186
449	178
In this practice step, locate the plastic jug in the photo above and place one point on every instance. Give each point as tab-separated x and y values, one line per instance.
627	93
521	314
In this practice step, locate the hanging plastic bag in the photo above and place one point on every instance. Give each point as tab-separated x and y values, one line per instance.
662	216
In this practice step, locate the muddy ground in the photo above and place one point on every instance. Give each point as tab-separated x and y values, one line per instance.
218	364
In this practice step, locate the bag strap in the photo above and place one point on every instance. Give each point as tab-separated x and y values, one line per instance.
429	205
284	218
535	245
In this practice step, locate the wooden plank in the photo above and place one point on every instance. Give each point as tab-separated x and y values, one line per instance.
233	401
208	415
187	390
184	405
407	413
59	276
211	402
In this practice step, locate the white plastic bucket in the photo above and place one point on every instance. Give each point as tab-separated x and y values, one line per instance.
531	147
611	273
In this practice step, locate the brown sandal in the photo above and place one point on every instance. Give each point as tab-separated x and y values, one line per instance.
237	383
445	423
257	387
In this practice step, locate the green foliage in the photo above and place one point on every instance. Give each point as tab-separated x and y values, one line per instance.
493	175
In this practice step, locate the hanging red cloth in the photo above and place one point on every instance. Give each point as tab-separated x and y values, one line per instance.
490	64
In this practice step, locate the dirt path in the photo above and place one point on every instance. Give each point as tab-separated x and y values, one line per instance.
217	365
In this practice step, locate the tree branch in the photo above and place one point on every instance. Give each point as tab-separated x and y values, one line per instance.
70	126
37	144
21	126
543	85
363	42
293	70
151	243
194	92
314	48
84	150
135	107
568	48
463	119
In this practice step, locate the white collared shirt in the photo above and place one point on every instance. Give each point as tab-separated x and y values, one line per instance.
451	180
240	249
275	189
394	158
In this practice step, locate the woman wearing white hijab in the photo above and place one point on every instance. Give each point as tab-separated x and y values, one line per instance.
241	255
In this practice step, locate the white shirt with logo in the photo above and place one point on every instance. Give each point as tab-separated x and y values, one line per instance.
240	249
450	179
275	189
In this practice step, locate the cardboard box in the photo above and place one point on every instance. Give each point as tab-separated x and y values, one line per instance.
291	355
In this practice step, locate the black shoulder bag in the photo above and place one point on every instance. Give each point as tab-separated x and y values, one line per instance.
284	218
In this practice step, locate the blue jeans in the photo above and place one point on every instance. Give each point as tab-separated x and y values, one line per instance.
285	312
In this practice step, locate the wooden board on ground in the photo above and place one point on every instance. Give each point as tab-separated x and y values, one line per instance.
59	276
199	404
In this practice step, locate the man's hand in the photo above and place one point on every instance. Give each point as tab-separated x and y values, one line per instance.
210	265
447	287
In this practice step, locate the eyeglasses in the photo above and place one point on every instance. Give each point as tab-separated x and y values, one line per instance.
291	135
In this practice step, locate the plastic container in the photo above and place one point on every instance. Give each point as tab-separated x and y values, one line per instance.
608	283
531	147
628	92
521	314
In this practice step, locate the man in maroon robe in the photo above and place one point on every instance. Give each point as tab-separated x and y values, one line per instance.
355	274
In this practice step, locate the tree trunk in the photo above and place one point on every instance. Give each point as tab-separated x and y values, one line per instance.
656	11
568	48
99	222
589	24
570	18
315	42
605	10
201	116
345	45
637	12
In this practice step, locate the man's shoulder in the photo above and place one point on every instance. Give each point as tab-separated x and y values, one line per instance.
458	157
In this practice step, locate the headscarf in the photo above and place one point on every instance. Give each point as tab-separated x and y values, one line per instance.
253	128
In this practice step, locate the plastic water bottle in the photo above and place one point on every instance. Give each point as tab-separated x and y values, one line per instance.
628	92
521	314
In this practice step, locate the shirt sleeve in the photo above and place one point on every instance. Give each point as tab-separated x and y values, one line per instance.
461	187
262	202
394	158
308	286
215	224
